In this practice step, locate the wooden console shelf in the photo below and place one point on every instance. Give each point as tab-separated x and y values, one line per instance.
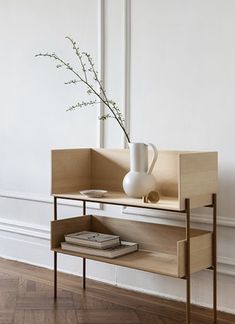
161	247
179	175
185	180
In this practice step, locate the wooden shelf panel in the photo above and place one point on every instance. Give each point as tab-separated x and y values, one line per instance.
161	247
119	198
179	175
160	263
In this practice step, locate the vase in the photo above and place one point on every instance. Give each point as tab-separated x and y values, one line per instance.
139	181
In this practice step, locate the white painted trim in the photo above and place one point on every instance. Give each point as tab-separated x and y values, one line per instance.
26	196
174	217
26	229
225	260
169	297
45	199
127	66
226	266
101	68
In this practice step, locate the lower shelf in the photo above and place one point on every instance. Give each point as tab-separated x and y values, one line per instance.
161	247
142	260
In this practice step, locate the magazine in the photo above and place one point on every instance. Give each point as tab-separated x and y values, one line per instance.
93	239
113	252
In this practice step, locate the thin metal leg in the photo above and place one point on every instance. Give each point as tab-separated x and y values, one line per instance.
214	255
55	208
188	274
84	259
84	207
55	275
84	274
55	253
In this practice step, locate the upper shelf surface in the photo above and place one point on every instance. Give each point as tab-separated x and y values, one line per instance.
119	198
179	175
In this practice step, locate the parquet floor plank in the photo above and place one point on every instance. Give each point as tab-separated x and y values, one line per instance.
18	317
27	298
107	316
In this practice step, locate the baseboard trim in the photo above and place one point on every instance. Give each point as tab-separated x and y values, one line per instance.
171	297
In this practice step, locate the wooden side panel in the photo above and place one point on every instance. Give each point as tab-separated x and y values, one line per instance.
149	236
166	172
198	178
110	166
71	170
201	253
66	226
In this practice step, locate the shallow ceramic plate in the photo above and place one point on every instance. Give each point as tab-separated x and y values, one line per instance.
93	193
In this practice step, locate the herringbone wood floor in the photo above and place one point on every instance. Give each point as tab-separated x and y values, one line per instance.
26	297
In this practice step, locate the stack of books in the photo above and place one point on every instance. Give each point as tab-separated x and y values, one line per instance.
100	244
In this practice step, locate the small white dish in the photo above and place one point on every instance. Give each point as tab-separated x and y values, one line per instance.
93	193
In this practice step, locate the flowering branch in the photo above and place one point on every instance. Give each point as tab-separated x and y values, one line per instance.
87	67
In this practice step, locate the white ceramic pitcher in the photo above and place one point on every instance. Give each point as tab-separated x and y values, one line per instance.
139	181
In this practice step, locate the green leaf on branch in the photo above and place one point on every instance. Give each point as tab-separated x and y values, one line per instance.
106	116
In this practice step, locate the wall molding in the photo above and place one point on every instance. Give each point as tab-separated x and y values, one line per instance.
201	218
101	68
45	199
26	229
127	66
226	265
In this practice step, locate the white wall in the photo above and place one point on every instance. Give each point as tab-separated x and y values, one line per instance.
180	96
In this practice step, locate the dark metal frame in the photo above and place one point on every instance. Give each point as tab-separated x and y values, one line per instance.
188	262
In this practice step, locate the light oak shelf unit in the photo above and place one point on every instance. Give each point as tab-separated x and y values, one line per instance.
161	247
185	180
179	175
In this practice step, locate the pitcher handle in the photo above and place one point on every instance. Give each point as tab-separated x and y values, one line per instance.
155	156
